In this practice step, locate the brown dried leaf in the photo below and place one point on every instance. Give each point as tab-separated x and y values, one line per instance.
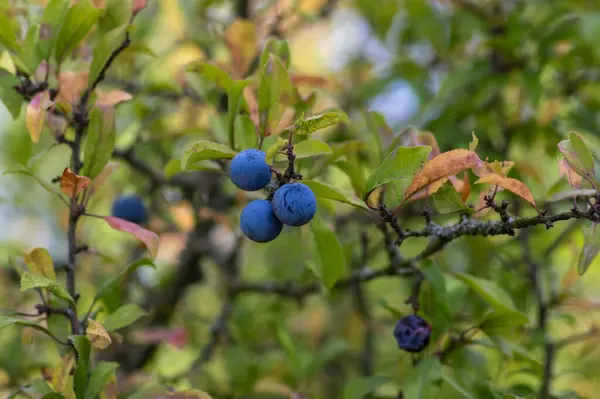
72	184
498	167
97	334
573	178
444	165
513	185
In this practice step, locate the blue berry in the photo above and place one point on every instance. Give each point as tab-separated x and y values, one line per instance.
130	208
258	222
412	333
249	170
294	204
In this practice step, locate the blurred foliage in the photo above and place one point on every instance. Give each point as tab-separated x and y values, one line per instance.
519	74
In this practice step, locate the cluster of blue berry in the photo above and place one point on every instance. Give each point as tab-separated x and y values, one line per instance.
293	204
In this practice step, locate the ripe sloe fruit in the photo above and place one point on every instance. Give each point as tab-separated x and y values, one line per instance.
258	221
412	333
249	170
294	204
130	208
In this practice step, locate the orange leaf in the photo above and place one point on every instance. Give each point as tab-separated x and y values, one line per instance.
513	185
103	176
444	165
72	184
149	238
565	169
112	98
36	114
466	189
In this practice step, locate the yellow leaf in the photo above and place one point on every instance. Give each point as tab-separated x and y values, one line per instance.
27	336
473	144
97	334
72	184
444	165
110	390
513	185
40	262
497	167
62	371
36	115
7	63
242	40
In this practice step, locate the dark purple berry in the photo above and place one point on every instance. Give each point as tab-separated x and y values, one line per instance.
412	333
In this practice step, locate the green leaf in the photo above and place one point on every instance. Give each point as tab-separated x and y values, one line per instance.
379	127
311	148
116	13
8	37
29	281
317	122
354	172
358	388
578	156
100	141
80	379
420	379
53	395
274	148
439	305
30	53
499	324
401	164
9	96
449	379
276	46
494	295
124	316
245	132
22	169
326	354
275	93
324	190
204	149
590	250
112	283
101	375
234	101
172	168
285	341
52	19
37	387
392	309
447	200
215	75
103	50
6	321
332	261
79	21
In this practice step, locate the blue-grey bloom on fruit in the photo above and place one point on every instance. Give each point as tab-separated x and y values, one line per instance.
258	221
130	208
412	333
294	204
249	170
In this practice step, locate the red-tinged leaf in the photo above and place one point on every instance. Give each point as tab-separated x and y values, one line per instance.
513	185
578	156
72	85
99	180
308	80
112	98
242	39
444	165
252	105
139	5
573	178
36	115
466	188
591	249
149	238
418	138
177	337
72	184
